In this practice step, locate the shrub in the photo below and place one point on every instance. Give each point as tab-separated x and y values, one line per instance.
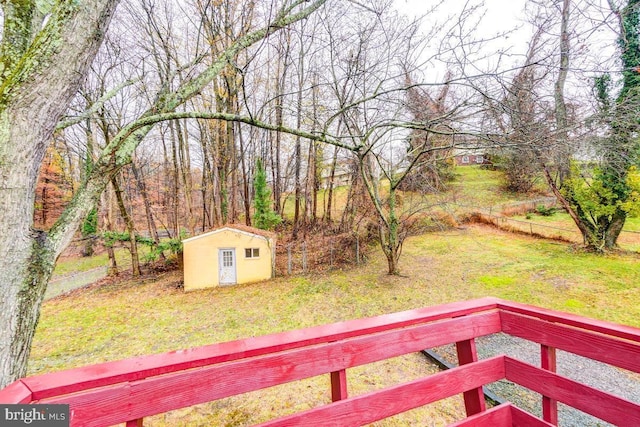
546	211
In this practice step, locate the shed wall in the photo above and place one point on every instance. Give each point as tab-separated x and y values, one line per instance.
201	266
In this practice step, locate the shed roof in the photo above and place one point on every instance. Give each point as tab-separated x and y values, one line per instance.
241	228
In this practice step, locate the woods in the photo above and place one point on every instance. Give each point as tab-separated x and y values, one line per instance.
168	119
43	67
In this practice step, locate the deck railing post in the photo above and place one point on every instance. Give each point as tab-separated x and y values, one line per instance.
473	399
338	385
549	406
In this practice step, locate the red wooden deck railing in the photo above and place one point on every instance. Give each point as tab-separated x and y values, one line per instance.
129	390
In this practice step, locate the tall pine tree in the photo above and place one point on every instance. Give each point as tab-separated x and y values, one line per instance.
264	217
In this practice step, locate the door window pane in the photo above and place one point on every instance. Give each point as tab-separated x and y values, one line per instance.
227	259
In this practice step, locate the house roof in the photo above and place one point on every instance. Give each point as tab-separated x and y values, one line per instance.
240	228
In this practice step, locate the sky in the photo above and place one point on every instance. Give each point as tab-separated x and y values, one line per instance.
593	29
499	15
502	18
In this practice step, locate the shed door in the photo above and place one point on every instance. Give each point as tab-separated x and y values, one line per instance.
227	263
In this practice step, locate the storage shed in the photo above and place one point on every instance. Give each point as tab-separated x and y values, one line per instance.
227	256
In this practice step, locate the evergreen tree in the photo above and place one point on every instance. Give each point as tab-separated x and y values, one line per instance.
89	226
264	217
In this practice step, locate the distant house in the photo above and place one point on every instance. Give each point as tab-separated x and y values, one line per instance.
467	159
229	255
341	176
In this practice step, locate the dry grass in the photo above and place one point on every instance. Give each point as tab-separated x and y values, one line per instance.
130	318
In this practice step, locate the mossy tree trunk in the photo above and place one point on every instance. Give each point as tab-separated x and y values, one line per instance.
41	67
389	223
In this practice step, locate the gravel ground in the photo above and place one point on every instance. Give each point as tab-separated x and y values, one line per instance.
604	377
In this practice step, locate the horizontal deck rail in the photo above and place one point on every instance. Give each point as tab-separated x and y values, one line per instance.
127	391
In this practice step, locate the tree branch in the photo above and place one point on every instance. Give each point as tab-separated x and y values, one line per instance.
95	107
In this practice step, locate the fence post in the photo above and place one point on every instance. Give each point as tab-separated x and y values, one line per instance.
289	259
473	399
338	385
357	250
549	406
304	257
331	255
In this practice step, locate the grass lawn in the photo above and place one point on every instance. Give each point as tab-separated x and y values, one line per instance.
479	187
153	315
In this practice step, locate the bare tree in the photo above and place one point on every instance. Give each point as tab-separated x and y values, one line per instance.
433	169
371	93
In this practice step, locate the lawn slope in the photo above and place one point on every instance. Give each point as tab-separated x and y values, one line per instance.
154	315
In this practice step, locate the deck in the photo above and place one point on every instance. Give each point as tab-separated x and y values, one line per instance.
129	390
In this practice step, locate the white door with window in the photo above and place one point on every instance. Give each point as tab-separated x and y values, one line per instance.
227	263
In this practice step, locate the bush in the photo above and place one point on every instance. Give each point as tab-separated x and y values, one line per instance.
174	246
546	211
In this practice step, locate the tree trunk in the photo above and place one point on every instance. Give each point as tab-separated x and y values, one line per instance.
185	169
391	227
315	160
392	264
232	173
314	183
174	214
332	175
26	262
613	229
207	174
245	179
597	237
133	245
36	86
562	157
298	147
296	208
107	220
142	188
282	69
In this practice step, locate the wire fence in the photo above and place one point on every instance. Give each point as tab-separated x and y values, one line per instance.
62	284
512	207
59	285
498	216
532	228
320	253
